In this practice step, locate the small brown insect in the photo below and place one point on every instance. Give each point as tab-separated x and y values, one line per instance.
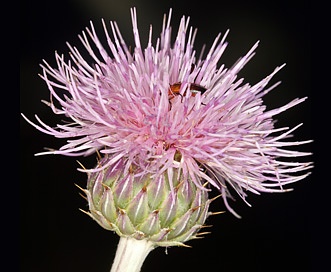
194	88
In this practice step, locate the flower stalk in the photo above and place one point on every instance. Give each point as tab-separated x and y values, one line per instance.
130	254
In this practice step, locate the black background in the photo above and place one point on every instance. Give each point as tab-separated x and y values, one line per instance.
275	234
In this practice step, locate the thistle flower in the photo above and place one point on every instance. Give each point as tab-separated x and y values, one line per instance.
169	127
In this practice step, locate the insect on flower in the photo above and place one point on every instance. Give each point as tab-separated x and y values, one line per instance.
194	88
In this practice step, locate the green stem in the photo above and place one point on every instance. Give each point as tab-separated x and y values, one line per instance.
131	254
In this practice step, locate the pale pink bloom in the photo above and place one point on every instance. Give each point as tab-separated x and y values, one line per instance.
121	106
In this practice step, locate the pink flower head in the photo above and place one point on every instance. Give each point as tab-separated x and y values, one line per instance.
162	108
